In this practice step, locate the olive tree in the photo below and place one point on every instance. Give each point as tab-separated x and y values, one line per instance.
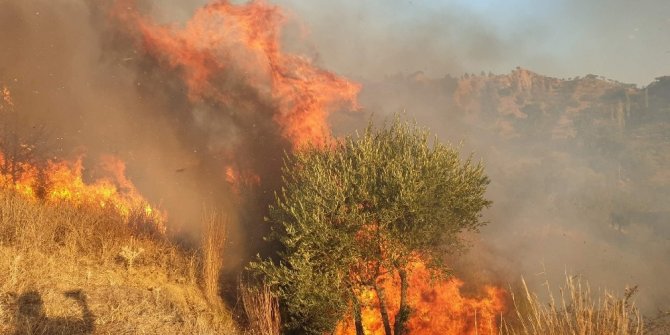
364	208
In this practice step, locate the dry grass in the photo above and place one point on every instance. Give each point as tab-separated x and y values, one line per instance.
261	308
212	247
575	313
88	270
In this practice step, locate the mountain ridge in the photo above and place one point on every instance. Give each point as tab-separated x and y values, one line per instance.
525	98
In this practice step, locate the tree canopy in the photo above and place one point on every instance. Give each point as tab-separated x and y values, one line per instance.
364	207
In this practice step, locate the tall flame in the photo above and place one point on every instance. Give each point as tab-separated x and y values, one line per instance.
223	39
438	307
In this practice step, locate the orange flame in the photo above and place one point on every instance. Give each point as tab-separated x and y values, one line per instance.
240	179
223	39
63	182
438	308
6	97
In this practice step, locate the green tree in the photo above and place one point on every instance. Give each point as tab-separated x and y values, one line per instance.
362	209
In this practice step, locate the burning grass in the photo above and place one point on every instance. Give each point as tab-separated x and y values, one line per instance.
62	181
438	307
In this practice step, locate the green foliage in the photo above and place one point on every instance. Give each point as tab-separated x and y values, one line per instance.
363	207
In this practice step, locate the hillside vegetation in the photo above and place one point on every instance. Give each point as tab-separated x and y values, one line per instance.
84	269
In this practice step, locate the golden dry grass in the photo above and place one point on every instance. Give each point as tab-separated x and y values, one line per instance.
212	247
575	312
261	308
87	270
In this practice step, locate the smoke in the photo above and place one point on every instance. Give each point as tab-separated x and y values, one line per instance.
71	72
201	115
560	207
617	39
374	39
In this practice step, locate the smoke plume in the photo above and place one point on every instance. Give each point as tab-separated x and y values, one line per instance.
200	105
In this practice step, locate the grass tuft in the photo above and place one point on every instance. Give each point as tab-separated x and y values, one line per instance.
213	242
261	308
574	312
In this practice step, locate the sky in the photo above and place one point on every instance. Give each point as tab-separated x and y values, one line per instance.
624	40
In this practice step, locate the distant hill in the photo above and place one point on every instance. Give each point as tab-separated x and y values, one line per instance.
591	115
579	167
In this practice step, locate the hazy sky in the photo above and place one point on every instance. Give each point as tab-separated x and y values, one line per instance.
625	40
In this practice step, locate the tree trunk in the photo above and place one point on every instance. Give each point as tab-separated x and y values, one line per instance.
383	309
400	326
358	320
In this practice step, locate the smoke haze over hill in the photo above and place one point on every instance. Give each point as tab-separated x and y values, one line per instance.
618	39
578	182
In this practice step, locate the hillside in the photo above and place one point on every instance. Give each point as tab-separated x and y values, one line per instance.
83	270
618	129
578	169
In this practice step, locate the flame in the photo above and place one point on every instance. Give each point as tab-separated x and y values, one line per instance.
63	182
223	39
438	308
240	179
6	97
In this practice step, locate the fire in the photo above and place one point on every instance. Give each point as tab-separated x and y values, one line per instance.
438	308
6	97
240	179
225	42
63	182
